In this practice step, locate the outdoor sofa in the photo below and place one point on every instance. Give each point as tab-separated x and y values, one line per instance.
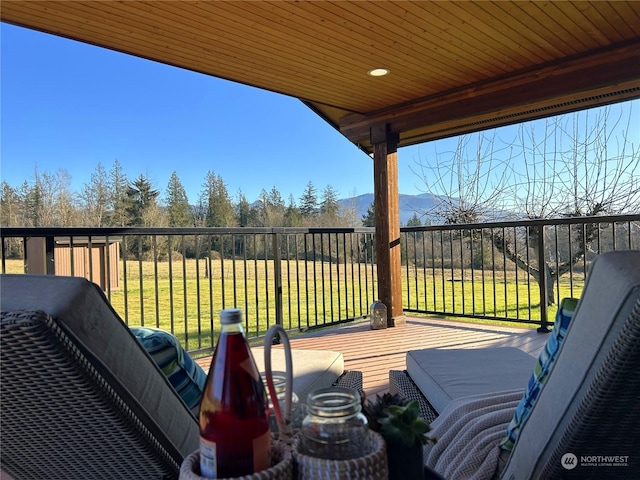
572	413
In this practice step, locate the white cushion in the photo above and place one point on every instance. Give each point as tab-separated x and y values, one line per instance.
312	369
443	375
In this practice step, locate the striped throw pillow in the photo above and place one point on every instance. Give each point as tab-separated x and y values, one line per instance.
541	371
185	375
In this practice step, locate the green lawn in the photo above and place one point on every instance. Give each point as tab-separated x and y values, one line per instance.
504	295
179	297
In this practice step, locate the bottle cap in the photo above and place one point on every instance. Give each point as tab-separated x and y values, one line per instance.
230	315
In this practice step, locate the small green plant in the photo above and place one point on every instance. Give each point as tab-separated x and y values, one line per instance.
398	420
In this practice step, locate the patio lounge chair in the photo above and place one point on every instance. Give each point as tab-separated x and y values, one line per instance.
585	420
80	397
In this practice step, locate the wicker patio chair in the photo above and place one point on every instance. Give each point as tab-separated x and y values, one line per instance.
589	408
80	398
585	423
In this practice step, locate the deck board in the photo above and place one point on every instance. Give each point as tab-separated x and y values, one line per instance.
375	352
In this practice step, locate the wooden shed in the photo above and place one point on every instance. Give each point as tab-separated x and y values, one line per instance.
96	259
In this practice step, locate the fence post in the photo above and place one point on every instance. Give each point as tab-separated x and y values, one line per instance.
542	265
50	266
277	272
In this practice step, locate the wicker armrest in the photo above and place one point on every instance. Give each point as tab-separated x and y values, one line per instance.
400	382
350	379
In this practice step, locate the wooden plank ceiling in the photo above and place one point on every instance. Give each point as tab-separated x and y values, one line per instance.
455	67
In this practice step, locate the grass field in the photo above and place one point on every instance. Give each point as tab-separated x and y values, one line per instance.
503	294
186	297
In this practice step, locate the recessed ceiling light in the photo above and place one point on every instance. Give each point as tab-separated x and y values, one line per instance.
379	72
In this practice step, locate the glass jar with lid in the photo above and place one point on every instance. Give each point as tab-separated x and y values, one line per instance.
334	426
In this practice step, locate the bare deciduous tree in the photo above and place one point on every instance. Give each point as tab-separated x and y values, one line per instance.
467	183
95	197
582	164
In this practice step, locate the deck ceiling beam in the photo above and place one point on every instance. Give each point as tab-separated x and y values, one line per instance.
570	85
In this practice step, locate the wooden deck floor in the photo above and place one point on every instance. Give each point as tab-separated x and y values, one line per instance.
375	352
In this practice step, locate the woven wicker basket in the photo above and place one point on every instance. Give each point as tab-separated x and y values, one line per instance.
372	466
281	469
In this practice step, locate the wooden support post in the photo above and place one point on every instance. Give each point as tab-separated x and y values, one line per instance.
387	215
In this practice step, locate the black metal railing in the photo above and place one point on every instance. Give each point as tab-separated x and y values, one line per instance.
506	271
179	279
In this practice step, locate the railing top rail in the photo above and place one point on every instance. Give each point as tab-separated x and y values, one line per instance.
118	231
523	223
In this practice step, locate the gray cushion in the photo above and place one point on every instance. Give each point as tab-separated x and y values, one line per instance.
83	311
443	375
312	369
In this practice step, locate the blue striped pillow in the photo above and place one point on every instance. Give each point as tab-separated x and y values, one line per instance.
185	375
541	371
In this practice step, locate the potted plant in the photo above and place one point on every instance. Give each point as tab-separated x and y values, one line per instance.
404	431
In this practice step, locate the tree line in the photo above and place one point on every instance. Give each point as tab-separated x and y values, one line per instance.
110	199
576	166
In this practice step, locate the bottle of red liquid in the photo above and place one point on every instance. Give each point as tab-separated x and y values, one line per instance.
235	438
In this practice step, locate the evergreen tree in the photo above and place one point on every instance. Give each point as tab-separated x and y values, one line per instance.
33	203
142	210
243	210
275	200
272	208
414	221
309	202
329	207
369	219
278	204
141	198
178	208
292	216
220	211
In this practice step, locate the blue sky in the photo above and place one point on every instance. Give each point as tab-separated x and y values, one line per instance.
69	105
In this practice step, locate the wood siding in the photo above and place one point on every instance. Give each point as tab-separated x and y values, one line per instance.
93	264
444	53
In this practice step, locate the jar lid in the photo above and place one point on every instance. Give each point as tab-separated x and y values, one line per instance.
230	315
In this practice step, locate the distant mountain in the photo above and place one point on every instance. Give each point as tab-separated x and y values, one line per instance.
409	204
